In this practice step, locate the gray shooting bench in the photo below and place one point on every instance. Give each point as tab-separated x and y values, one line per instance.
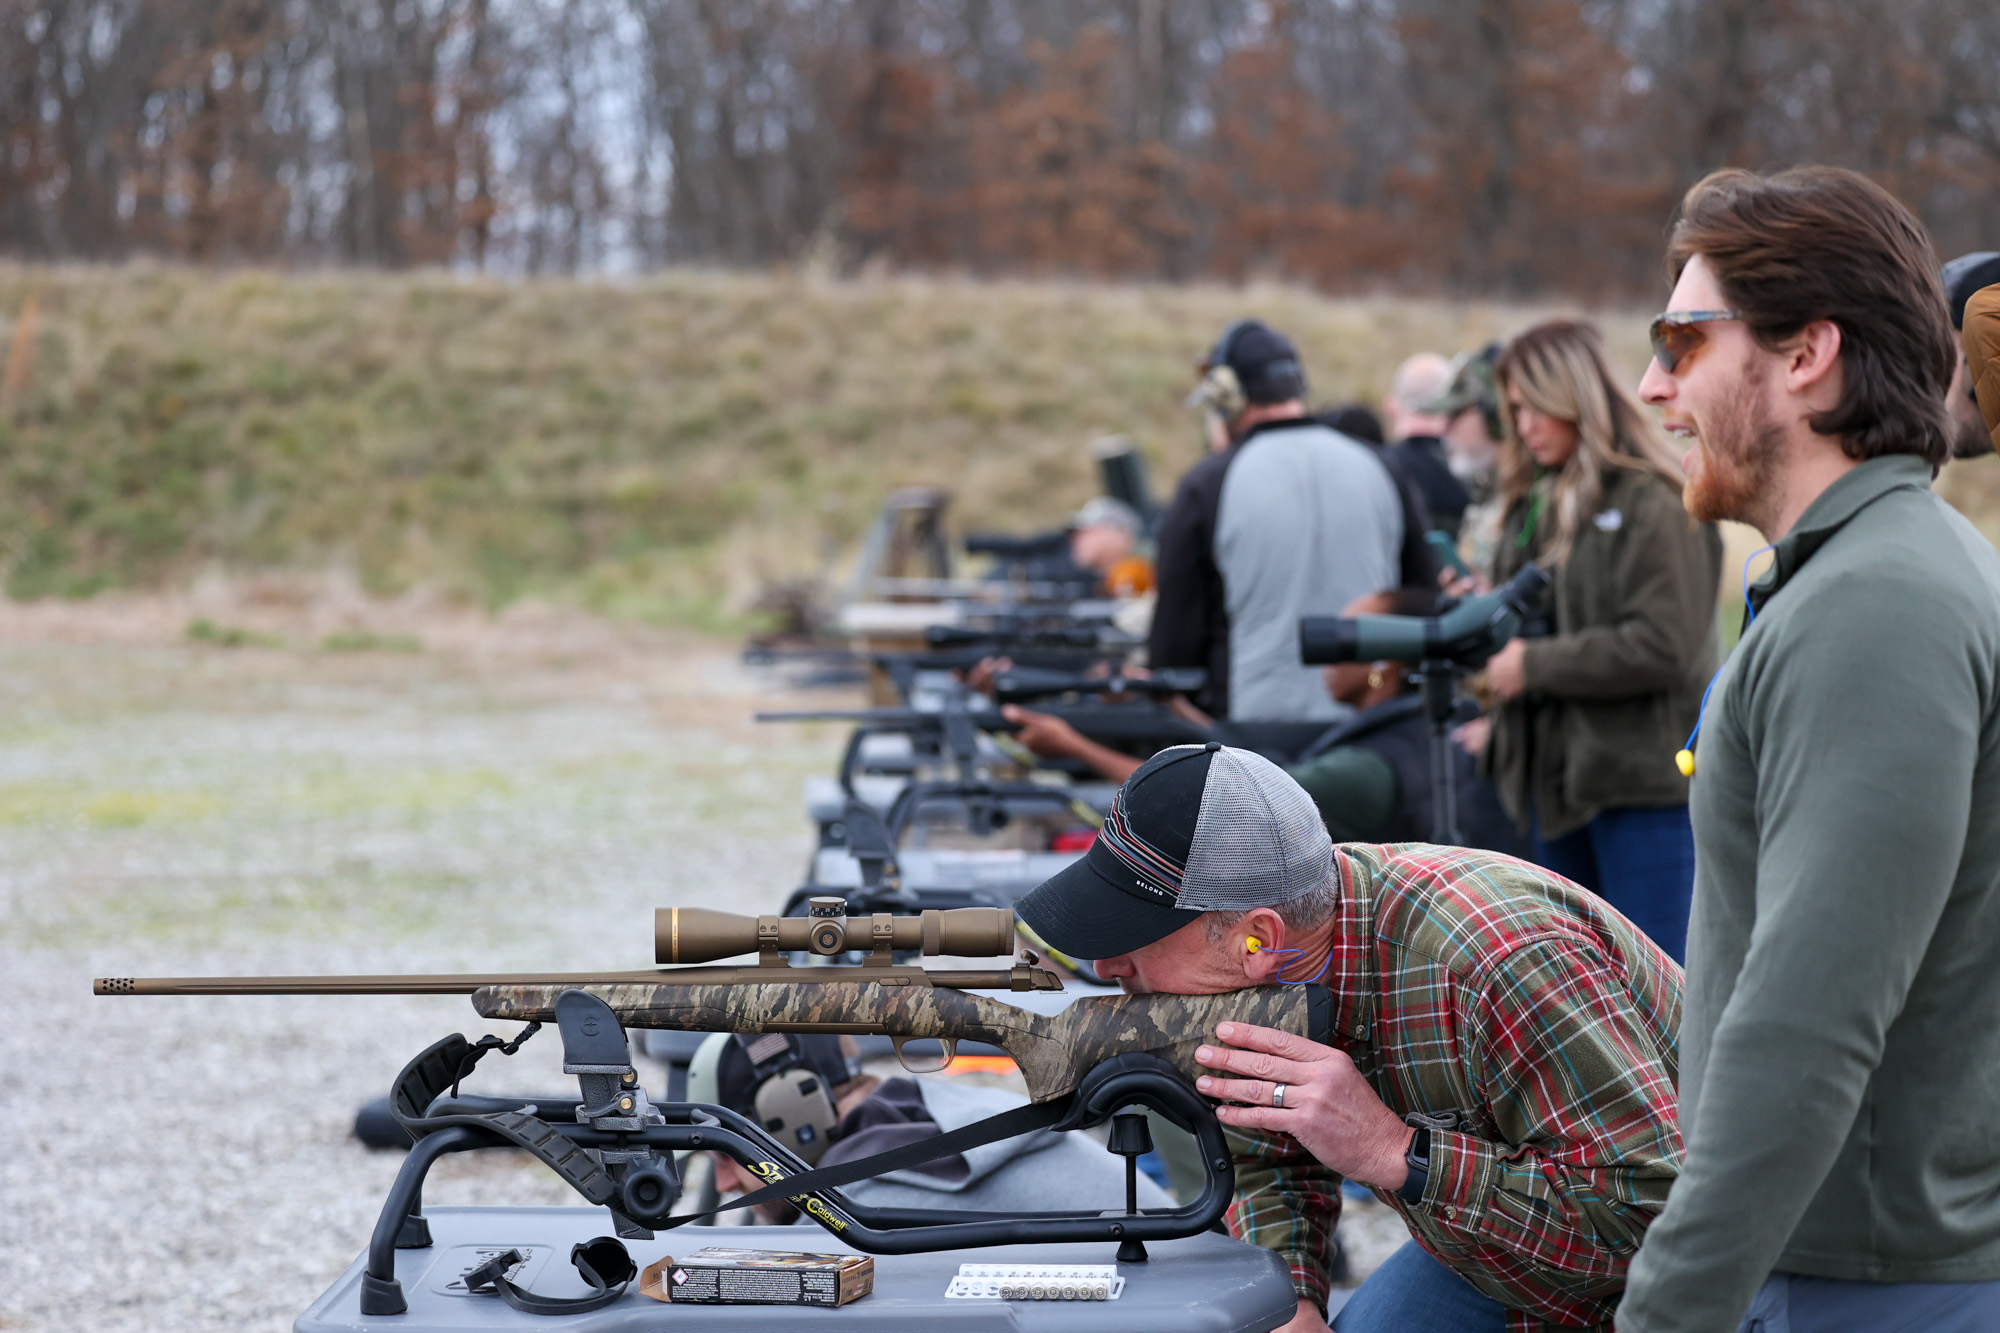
1203	1284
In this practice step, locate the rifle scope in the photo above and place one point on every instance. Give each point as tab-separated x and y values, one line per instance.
1467	634
701	935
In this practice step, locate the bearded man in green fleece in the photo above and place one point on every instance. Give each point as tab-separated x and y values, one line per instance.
1840	1042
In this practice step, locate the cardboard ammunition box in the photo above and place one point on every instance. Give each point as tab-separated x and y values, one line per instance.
722	1276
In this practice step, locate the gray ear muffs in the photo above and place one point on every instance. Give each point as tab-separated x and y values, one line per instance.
796	1107
792	1079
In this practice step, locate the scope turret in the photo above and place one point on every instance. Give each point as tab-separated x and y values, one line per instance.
702	935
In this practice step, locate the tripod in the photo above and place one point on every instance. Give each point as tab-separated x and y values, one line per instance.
1439	678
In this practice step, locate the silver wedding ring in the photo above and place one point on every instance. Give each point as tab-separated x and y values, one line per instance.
1278	1095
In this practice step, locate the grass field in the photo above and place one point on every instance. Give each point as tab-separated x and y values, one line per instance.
653	449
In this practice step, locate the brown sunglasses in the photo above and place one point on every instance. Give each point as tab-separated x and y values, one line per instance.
1677	333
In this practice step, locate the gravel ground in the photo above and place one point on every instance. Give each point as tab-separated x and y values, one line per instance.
516	795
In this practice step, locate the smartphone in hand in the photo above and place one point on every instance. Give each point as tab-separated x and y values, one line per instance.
1447	551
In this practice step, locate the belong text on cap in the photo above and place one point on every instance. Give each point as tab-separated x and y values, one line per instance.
1198	828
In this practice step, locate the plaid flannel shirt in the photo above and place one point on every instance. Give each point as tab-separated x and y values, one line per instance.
1479	988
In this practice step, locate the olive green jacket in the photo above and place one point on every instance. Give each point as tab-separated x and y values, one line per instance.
1612	695
1840	1045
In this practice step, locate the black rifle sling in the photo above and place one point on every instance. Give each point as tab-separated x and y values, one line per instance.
445	1063
603	1263
1006	1125
442	1066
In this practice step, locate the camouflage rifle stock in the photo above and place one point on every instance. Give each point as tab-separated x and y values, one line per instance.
1054	1051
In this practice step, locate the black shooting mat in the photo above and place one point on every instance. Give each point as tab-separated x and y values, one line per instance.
1203	1284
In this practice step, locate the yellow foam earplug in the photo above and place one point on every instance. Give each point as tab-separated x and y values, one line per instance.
1684	761
1253	944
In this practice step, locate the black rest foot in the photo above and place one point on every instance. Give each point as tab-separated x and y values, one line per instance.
380	1297
1131	1140
401	1225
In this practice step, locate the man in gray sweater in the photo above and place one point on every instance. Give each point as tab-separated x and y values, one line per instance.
1840	1046
1286	519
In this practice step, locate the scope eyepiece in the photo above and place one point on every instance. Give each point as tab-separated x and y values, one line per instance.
1327	639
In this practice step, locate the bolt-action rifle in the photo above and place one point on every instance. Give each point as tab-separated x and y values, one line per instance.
1081	1063
905	1003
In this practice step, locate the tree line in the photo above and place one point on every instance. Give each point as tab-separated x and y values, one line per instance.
1502	147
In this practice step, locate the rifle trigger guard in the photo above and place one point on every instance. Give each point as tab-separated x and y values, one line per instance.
950	1045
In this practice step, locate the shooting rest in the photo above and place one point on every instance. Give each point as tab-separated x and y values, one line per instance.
617	1150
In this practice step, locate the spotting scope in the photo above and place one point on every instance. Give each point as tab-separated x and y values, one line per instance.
1467	634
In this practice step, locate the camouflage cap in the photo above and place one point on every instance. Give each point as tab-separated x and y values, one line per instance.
1471	385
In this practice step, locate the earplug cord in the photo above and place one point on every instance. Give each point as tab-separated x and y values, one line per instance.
1685	759
1257	946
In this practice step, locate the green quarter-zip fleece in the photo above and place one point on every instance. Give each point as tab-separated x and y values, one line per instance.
1840	1044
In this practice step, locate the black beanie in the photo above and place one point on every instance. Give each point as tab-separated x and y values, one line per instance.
1265	362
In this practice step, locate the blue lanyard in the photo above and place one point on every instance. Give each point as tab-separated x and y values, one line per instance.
1685	759
1296	954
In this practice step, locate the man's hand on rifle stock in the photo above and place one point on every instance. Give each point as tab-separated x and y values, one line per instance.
1328	1106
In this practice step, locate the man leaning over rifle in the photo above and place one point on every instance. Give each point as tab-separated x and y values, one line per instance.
1505	1061
1843	1072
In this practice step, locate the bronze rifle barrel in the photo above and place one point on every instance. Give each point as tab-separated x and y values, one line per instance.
466	983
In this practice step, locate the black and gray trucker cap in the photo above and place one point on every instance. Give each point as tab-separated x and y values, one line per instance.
1199	828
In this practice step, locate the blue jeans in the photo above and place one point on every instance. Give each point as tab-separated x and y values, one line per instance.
1412	1290
1641	861
1787	1303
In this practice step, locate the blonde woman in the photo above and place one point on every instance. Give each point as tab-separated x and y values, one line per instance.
1599	694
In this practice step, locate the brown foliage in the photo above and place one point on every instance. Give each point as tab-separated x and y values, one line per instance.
1500	146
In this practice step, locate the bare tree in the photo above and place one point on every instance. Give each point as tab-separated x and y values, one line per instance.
1508	146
